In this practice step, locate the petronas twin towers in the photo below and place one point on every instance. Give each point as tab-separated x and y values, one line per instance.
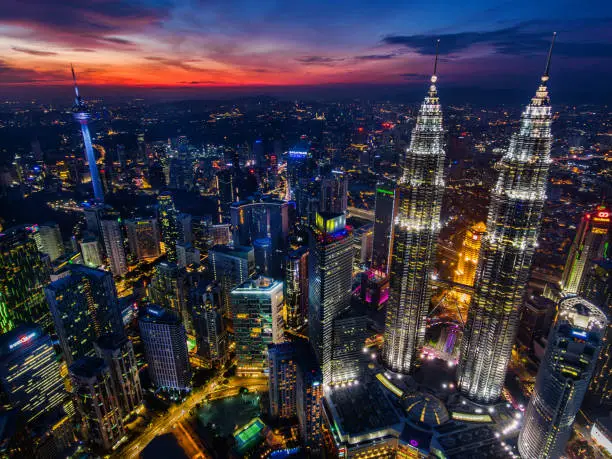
506	253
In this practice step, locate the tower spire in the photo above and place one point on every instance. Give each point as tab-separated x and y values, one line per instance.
547	69
76	88
434	76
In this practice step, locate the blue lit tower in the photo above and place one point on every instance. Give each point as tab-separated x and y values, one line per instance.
82	115
419	195
506	252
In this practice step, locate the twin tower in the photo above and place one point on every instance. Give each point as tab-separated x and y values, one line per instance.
506	253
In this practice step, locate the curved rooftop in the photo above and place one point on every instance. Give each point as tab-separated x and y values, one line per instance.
425	409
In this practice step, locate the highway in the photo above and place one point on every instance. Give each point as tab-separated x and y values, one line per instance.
178	413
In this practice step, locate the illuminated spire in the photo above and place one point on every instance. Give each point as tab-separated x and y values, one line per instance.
547	69
77	99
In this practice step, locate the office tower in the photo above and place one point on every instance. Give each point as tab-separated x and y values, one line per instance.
257	305
573	346
168	289
506	253
220	234
84	307
258	153
309	401
113	243
334	193
93	217
49	240
419	195
165	344
211	336
23	274
184	228
590	244
468	256
282	378
29	372
297	164
187	255
82	115
226	189
167	215
262	250
143	238
230	266
363	243
90	250
349	335
384	216
97	401
330	272
537	315
118	353
296	287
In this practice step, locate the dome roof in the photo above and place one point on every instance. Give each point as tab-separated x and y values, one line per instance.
426	409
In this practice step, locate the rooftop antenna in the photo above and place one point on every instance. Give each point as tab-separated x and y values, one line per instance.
76	88
434	77
547	69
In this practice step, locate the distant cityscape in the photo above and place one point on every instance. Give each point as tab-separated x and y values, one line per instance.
266	278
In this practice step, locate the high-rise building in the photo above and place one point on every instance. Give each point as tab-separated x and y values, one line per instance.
349	335
84	307
165	343
257	305
118	353
184	227
168	287
210	332
282	377
97	402
296	287
468	256
226	189
90	250
114	246
23	274
334	193
419	200
167	215
187	255
81	115
573	346
330	274
384	216
363	238
143	237
591	243
230	266
29	372
49	240
309	401
506	253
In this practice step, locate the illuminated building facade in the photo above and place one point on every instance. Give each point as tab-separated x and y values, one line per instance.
257	304
506	253
118	353
334	193
211	336
468	257
165	344
309	401
97	401
591	243
282	378
143	238
90	250
29	372
296	287
330	274
419	195
23	274
563	378
84	307
49	240
384	218
167	215
82	116
168	289
113	243
230	266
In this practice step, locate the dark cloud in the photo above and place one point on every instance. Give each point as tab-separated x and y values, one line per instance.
173	63
376	57
198	82
116	41
319	60
16	75
33	52
84	50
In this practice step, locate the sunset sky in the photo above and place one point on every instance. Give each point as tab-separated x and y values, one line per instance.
286	43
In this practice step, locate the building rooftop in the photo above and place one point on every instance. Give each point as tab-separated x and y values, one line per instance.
233	250
14	339
260	284
87	367
156	314
425	409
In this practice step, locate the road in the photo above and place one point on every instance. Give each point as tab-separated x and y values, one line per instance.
178	413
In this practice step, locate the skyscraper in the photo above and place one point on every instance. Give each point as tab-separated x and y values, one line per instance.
282	365
97	401
330	274
211	336
143	237
506	253
468	256
230	266
167	215
169	290
591	243
82	115
563	378
165	343
118	353
309	401
90	250
49	240
384	217
419	199
84	307
113	243
29	372
334	192
257	305
23	274
296	287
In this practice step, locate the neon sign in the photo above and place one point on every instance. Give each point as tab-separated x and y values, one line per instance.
579	333
24	339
